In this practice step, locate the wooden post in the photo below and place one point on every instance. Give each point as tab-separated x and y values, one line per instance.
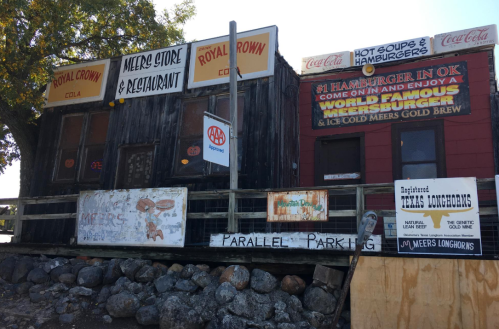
18	228
360	204
232	220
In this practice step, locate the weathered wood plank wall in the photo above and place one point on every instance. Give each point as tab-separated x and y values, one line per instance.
425	293
270	142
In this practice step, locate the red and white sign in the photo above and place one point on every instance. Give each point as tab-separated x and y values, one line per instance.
216	140
322	63
475	37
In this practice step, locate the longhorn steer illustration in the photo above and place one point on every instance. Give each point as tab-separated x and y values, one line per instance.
436	215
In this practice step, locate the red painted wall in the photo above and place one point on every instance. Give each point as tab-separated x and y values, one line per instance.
468	138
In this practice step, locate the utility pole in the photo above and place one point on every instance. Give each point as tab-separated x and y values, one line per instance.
232	221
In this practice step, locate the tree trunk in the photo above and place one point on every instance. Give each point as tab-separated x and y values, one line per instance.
24	133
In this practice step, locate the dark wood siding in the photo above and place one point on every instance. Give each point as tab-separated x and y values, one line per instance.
270	142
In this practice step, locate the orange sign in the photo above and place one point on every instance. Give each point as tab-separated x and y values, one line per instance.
255	58
79	83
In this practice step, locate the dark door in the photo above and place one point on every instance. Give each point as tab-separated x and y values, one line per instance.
339	160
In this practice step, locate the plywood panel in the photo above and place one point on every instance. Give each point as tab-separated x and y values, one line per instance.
468	286
368	296
487	284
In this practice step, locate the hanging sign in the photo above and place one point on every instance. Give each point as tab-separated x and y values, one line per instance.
299	206
394	51
457	40
79	83
295	240
152	217
209	63
427	92
216	136
322	63
438	216
153	72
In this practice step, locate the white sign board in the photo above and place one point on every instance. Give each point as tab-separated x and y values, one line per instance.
438	216
475	37
152	217
153	72
216	136
322	63
295	240
394	51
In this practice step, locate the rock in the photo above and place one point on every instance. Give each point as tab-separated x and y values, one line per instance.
54	263
327	277
241	306
22	269
96	311
90	276
147	274
147	315
104	294
159	265
201	278
61	309
37	275
175	314
204	268
66	318
293	285
81	291
278	295
233	322
217	271
236	275
74	261
186	285
165	283
282	317
113	272
95	261
77	268
36	297
58	287
262	282
316	299
225	293
58	271
39	287
7	268
188	271
314	318
206	306
67	278
122	305
286	326
24	287
130	267
107	319
176	268
134	287
151	300
294	308
303	325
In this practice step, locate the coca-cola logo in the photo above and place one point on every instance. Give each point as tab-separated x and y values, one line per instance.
331	60
216	135
474	35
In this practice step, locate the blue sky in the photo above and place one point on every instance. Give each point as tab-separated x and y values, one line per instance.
309	28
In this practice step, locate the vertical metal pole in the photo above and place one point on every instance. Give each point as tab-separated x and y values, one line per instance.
360	204
232	225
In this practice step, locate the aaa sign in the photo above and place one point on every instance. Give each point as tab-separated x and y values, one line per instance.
216	141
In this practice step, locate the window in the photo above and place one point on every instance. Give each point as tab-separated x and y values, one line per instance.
136	166
92	142
418	150
189	154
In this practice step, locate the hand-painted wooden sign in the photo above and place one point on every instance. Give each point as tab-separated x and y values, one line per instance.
137	217
79	83
294	240
412	94
457	40
394	51
300	206
154	72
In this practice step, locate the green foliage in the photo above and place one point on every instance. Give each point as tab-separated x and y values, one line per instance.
38	35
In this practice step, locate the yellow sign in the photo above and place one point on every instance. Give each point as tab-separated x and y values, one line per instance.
79	83
255	58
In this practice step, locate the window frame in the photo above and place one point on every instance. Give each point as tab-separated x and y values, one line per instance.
212	101
80	149
438	127
119	175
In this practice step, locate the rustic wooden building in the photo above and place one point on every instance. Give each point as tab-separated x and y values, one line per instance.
155	141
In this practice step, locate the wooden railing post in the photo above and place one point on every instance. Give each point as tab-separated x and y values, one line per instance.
360	203
232	220
18	228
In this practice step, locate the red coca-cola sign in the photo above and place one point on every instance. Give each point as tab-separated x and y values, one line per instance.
327	62
475	37
216	135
